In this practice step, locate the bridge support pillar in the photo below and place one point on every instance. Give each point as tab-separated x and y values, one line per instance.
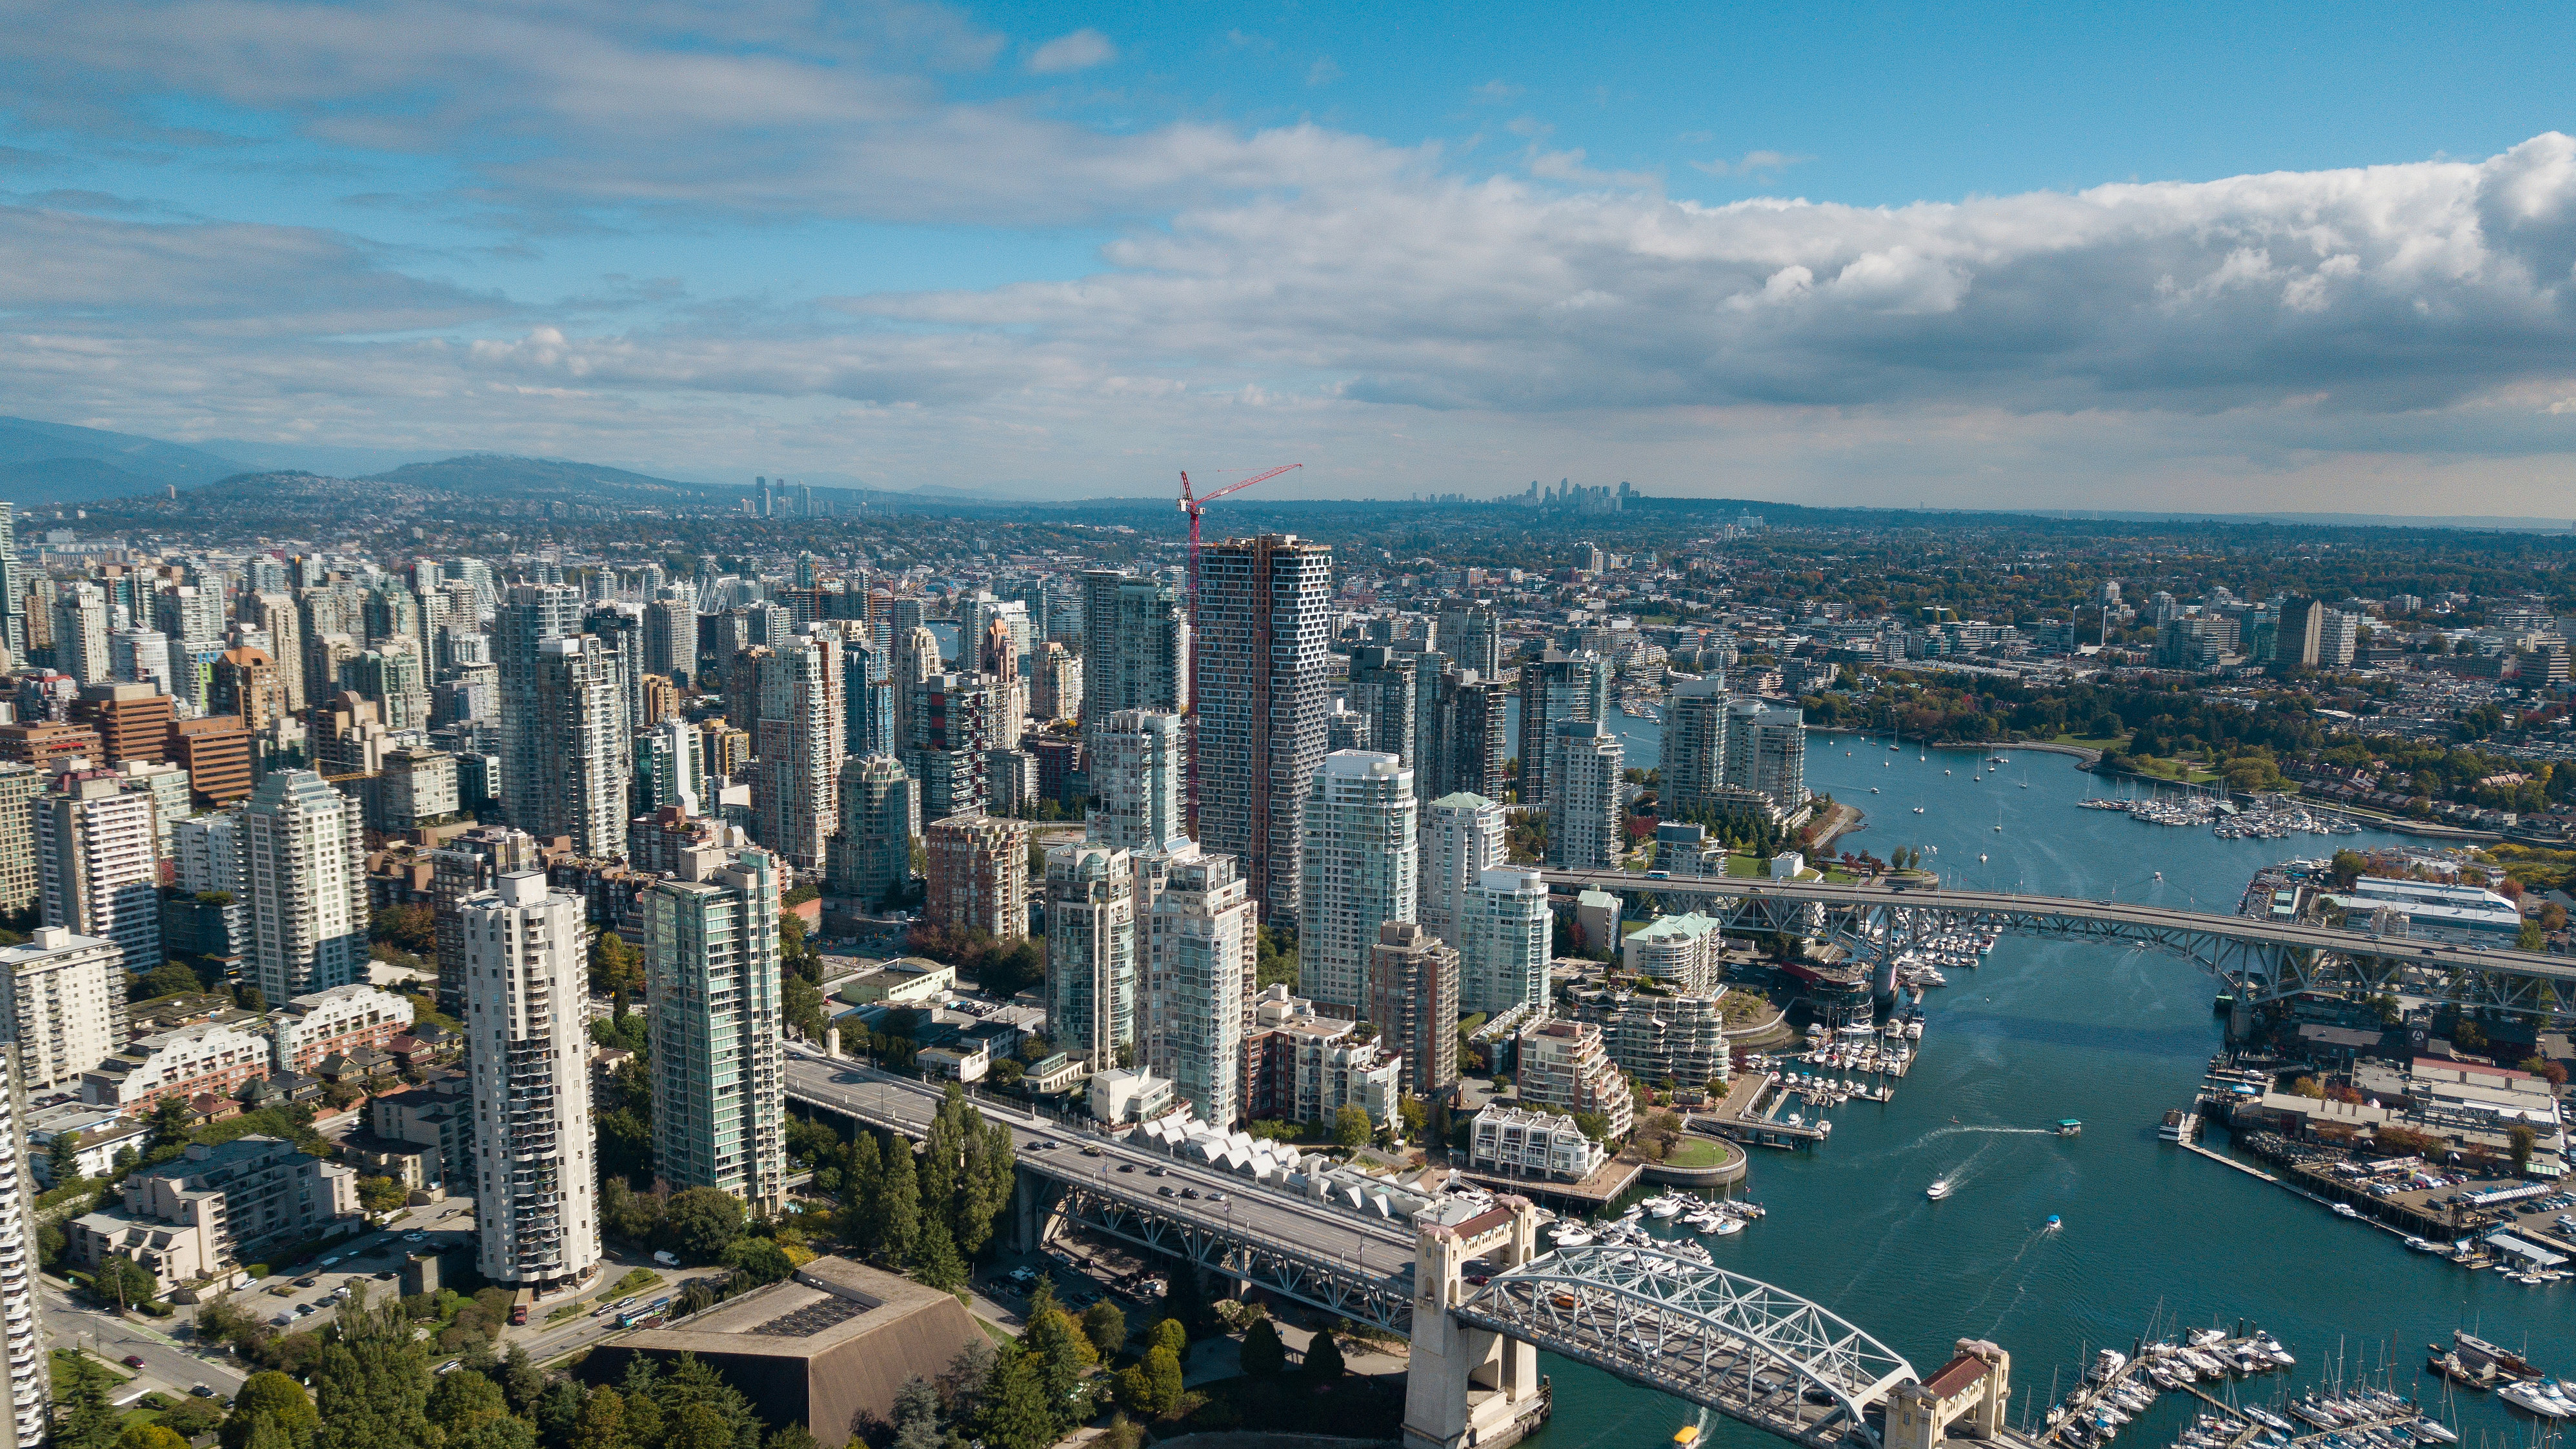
1470	1388
2240	1018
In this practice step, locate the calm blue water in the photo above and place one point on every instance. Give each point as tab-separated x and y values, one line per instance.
2051	1030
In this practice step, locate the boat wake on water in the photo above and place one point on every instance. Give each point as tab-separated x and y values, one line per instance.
1957	1128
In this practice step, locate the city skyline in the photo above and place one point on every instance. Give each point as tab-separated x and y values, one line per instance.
1974	260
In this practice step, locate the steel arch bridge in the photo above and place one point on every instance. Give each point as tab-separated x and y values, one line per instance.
1752	1352
2259	960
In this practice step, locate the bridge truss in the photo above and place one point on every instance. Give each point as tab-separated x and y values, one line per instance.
1752	1352
1371	1289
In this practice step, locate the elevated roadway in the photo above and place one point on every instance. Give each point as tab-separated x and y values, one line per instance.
1334	1258
2262	960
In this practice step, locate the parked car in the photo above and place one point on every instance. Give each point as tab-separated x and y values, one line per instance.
134	1360
667	1258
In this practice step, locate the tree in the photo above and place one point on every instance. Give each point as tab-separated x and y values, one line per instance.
1163	1378
1263	1354
603	1422
934	1256
521	1383
62	1158
1351	1127
756	1261
614	967
1105	1326
381	1194
122	1281
167	979
1171	1333
2468	1034
790	1436
699	1221
149	1436
83	1418
2523	1140
371	1382
1062	1353
898	1212
276	1398
1015	1413
698	1426
1324	1358
464	1402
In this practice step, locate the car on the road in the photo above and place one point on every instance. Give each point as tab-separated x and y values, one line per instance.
1091	1152
133	1360
1191	1193
1155	1172
201	1391
1216	1197
1165	1189
1126	1167
415	1237
386	1275
306	1282
334	1258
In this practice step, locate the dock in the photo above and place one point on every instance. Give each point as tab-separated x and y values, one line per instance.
2220	1158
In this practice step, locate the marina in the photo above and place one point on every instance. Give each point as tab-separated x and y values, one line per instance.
2037	1033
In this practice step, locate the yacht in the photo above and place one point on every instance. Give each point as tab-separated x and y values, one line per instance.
1570	1235
1939	1189
2531	1398
1664	1207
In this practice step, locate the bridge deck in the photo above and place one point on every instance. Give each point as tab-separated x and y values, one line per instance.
2283	955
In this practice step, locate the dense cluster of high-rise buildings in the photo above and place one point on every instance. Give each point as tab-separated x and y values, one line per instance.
242	757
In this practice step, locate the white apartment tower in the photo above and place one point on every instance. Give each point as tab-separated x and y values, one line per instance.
1200	956
1505	932
797	739
586	753
1462	838
20	1334
1091	951
304	878
711	967
62	1001
1766	751
1139	768
1361	854
536	1190
1583	826
97	870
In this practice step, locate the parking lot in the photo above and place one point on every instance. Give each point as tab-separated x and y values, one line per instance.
292	1295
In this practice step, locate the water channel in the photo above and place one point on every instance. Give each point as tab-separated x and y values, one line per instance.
2048	1030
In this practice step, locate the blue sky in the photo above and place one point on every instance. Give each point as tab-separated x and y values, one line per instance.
2186	256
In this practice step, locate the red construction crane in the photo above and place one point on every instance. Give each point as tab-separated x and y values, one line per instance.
1194	506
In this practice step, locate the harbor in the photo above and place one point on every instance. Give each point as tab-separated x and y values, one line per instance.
2042	1031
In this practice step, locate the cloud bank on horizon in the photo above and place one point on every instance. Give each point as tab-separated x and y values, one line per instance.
1433	316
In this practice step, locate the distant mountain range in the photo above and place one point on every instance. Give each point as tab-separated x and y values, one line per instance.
54	463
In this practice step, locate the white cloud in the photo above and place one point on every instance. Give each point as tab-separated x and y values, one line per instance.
1081	50
1381	311
1763	164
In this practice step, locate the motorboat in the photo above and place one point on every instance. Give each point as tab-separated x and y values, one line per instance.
2531	1398
2273	1349
1664	1207
2052	1225
2423	1245
2346	1210
1939	1189
1570	1235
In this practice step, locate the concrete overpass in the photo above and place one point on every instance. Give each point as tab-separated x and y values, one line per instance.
1337	1260
2260	960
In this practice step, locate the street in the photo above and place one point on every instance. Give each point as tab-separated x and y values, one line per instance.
167	1364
